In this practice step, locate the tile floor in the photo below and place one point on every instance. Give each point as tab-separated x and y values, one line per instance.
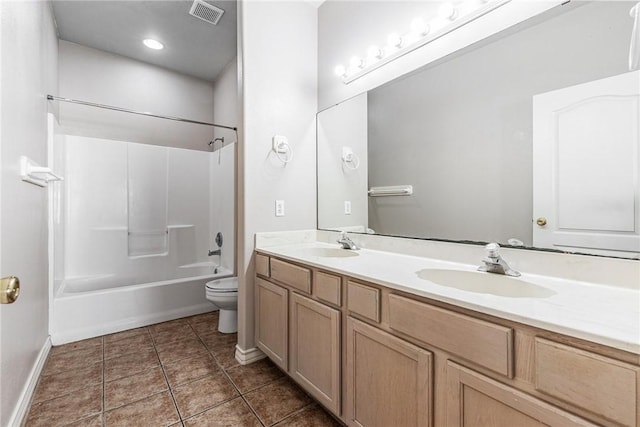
178	373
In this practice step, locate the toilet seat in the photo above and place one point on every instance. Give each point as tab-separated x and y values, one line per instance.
223	285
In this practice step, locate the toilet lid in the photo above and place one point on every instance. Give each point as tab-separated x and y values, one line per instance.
223	285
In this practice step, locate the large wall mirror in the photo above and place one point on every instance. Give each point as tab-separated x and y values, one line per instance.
529	138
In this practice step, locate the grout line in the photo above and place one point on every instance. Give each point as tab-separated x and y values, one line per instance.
166	379
255	414
296	412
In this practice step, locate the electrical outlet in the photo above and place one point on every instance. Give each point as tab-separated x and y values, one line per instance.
279	207
347	207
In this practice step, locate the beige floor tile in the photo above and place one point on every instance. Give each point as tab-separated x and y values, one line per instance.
182	350
78	345
219	342
254	375
234	413
66	409
94	421
179	332
312	416
135	387
209	317
61	383
191	369
200	395
189	339
166	326
72	360
127	345
227	359
125	334
156	410
130	364
277	400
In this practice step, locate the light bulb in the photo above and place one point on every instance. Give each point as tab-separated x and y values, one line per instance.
374	52
153	44
448	11
340	70
356	62
394	40
419	27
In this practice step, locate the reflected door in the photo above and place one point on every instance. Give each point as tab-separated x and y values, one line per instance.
585	162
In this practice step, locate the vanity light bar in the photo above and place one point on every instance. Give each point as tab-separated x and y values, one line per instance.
393	190
453	17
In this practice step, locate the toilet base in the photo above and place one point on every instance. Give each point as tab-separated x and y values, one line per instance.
228	321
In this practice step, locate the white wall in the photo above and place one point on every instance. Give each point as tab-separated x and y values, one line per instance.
224	163
344	125
345	29
28	70
278	63
93	75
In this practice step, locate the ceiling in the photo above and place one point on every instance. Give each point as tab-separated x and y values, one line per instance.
192	46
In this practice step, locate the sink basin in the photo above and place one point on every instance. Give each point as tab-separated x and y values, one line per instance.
485	283
328	252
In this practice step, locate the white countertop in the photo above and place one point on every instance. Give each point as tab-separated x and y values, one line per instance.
603	314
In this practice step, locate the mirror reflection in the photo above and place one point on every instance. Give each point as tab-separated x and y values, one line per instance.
529	139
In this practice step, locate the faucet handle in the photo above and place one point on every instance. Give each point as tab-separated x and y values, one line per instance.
493	250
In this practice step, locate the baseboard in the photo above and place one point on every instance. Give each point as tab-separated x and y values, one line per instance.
59	338
245	357
19	416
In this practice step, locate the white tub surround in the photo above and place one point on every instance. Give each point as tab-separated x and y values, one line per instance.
591	298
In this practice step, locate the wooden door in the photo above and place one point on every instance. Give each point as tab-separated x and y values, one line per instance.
271	321
314	355
475	400
389	381
586	173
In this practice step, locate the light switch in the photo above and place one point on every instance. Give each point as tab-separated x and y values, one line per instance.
347	207
279	207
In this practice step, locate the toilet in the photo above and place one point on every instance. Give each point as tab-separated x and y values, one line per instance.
223	293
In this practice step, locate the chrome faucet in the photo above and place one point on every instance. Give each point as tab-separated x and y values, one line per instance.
346	242
216	252
494	263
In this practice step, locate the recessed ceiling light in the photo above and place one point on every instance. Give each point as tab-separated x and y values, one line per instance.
153	44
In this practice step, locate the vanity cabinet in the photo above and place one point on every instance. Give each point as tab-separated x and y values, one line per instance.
314	352
376	356
389	381
298	331
476	400
272	302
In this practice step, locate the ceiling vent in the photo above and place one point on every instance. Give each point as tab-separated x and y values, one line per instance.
203	10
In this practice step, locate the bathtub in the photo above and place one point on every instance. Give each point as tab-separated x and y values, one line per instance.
91	306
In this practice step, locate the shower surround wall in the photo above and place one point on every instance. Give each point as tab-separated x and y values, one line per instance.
138	221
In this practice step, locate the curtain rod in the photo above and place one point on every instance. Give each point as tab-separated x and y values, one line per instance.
124	110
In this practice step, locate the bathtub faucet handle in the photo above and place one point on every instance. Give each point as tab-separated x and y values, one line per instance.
216	252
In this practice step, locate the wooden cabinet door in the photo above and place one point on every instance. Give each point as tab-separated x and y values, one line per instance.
314	356
271	321
475	400
389	381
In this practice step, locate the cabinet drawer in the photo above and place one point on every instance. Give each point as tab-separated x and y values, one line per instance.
290	274
327	287
601	385
484	343
262	265
363	300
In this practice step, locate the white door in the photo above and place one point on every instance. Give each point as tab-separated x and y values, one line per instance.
27	50
585	167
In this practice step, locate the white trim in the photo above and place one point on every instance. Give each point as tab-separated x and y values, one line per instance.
245	357
19	416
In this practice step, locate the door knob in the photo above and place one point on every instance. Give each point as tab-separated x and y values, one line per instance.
9	289
542	221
